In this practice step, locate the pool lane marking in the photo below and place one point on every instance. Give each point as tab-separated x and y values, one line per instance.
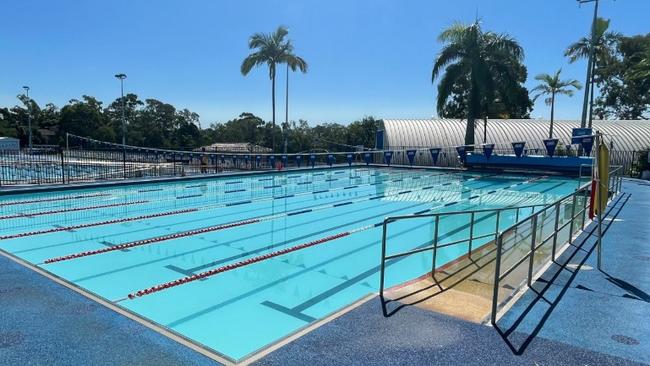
63	198
301	272
52	212
208	229
208	207
100	223
260	258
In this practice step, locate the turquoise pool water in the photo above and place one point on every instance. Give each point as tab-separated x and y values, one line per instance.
243	310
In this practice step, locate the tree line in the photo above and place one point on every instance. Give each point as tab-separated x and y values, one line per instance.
153	123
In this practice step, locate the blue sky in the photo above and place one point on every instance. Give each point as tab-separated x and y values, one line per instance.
366	57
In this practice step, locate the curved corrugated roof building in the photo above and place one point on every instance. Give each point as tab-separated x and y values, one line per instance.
624	136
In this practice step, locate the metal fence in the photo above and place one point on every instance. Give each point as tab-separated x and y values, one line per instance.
526	247
99	161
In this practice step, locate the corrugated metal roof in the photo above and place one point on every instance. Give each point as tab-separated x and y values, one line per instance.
631	135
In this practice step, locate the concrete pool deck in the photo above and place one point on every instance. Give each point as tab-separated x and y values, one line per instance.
601	320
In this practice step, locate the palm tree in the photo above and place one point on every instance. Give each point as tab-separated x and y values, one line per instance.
473	56
272	49
604	41
551	86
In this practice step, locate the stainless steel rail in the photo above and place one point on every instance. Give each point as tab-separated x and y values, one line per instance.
434	248
614	186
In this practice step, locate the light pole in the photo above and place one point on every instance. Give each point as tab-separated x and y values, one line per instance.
590	63
29	117
122	77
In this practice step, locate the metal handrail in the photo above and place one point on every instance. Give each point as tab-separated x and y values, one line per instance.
435	245
614	186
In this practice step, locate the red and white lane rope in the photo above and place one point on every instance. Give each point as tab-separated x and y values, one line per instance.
52	212
188	233
149	241
260	258
100	223
64	198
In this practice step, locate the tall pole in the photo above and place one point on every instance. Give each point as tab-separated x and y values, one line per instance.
122	77
590	65
29	117
286	109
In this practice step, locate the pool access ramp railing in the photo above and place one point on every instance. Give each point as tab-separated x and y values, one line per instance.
521	250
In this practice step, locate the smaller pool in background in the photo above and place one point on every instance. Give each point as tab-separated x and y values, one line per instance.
117	241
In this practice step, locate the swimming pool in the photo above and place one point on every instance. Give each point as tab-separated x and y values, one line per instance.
277	251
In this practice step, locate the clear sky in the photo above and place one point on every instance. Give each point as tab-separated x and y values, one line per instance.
369	57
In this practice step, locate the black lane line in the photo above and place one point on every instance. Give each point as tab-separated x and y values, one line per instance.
246	238
271	246
296	314
328	293
235	190
189	196
277	282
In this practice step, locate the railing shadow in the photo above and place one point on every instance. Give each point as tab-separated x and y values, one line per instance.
541	294
473	263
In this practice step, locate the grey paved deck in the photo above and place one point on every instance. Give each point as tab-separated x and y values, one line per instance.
44	323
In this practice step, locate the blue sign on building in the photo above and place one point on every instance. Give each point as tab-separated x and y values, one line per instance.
410	154
578	133
367	157
330	159
518	148
435	152
488	149
462	153
551	144
388	155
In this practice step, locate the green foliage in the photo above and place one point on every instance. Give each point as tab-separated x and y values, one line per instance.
624	90
271	50
552	85
483	76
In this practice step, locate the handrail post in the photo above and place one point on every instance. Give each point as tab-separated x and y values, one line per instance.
383	268
435	247
532	251
496	228
584	208
497	275
471	235
557	221
62	168
573	213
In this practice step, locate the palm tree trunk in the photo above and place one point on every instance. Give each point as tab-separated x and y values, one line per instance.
474	107
550	132
273	107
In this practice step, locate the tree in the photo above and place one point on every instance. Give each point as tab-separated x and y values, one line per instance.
604	44
476	59
624	92
272	49
552	85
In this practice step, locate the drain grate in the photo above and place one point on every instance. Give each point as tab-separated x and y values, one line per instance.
625	340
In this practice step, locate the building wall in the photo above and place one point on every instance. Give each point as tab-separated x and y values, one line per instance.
625	137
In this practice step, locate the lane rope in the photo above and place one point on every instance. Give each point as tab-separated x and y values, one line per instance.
100	223
208	229
260	258
52	212
64	198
